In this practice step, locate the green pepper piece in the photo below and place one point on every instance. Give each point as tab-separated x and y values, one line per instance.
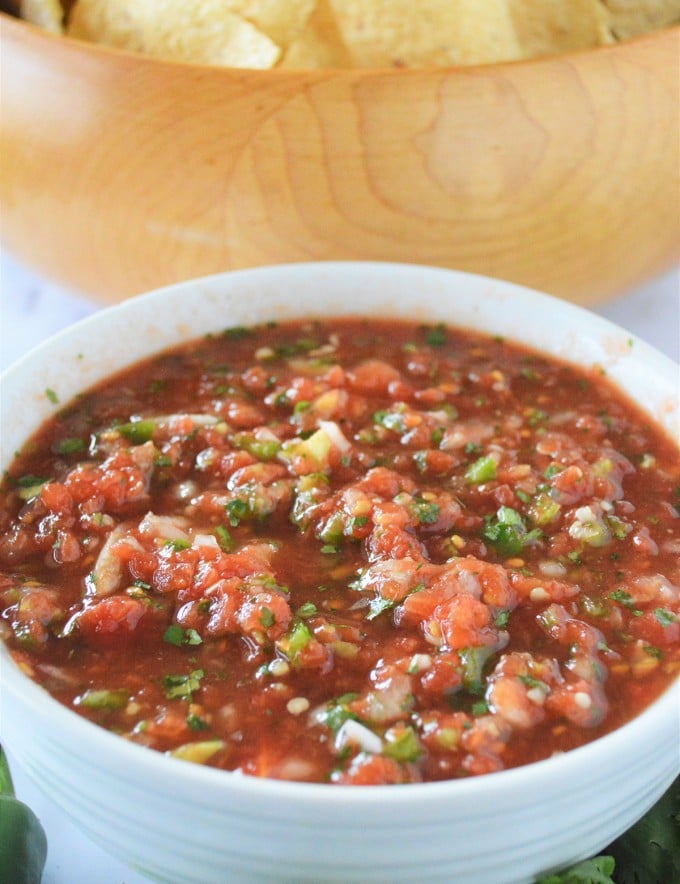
23	844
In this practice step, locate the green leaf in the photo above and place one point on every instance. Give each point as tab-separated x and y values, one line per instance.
507	533
390	420
177	686
308	609
649	852
591	871
336	712
436	336
378	606
236	511
425	512
176	635
664	616
224	538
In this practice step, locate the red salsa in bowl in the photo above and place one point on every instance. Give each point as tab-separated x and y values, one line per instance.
348	551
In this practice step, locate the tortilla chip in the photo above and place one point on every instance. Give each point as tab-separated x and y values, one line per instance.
630	18
547	27
429	32
198	31
281	20
320	44
47	14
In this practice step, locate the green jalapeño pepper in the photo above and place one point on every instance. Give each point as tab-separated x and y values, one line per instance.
23	845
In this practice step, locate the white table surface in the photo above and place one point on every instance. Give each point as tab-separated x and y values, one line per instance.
32	309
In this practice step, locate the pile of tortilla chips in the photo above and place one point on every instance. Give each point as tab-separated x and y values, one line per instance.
299	34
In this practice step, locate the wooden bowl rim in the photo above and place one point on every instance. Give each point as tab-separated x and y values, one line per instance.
25	29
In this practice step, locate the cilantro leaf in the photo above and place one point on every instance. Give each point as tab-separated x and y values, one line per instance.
507	532
649	852
591	871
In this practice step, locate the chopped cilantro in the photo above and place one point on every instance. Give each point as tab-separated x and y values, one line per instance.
653	651
378	606
531	682
537	416
507	533
480	707
425	512
237	332
529	374
420	460
308	609
224	538
665	617
502	619
237	510
623	598
29	480
182	686
390	420
196	723
436	336
358	522
336	712
473	660
52	396
436	436
176	635
267	618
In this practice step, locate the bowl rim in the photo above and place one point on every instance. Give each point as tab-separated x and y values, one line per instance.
660	716
313	74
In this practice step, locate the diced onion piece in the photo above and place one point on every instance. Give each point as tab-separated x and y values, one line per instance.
105	577
208	541
353	733
164	527
335	434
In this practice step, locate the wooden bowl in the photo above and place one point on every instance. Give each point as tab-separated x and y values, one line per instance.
121	173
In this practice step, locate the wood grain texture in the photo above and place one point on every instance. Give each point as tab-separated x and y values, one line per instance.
120	173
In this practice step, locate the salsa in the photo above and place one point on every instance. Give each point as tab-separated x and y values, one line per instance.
348	551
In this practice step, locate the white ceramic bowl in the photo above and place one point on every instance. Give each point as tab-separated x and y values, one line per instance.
184	823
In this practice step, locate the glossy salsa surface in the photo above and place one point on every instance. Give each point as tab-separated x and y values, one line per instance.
347	551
